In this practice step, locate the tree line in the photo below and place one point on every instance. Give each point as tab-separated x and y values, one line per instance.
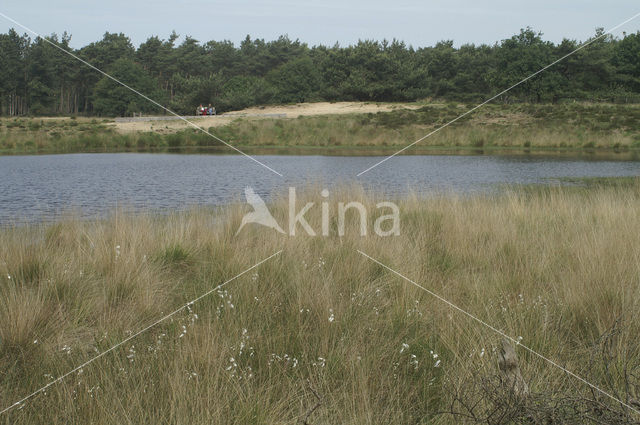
38	79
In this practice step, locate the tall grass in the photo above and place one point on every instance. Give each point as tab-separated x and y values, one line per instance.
557	267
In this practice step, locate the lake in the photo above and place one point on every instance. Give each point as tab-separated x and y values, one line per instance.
42	187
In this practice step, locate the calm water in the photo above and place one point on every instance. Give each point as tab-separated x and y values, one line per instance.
41	187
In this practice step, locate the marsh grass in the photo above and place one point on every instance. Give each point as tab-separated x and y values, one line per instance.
556	266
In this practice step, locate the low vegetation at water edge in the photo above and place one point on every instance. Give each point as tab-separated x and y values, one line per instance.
514	127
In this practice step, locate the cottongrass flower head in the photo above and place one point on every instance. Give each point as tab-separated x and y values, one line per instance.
435	357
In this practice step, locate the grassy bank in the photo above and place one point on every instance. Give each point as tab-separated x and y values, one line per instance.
494	127
558	267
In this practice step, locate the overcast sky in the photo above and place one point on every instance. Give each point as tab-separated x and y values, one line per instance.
417	22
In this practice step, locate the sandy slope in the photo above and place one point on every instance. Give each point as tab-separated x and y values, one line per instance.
325	108
286	111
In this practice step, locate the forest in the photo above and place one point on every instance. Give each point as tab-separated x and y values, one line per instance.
38	79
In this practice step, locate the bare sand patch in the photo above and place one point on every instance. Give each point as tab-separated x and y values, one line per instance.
261	112
326	108
171	126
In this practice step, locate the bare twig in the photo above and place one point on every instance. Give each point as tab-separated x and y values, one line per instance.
305	421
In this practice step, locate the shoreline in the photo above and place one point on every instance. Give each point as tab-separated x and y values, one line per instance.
627	154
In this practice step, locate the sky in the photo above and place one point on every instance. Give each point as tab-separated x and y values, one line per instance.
417	22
